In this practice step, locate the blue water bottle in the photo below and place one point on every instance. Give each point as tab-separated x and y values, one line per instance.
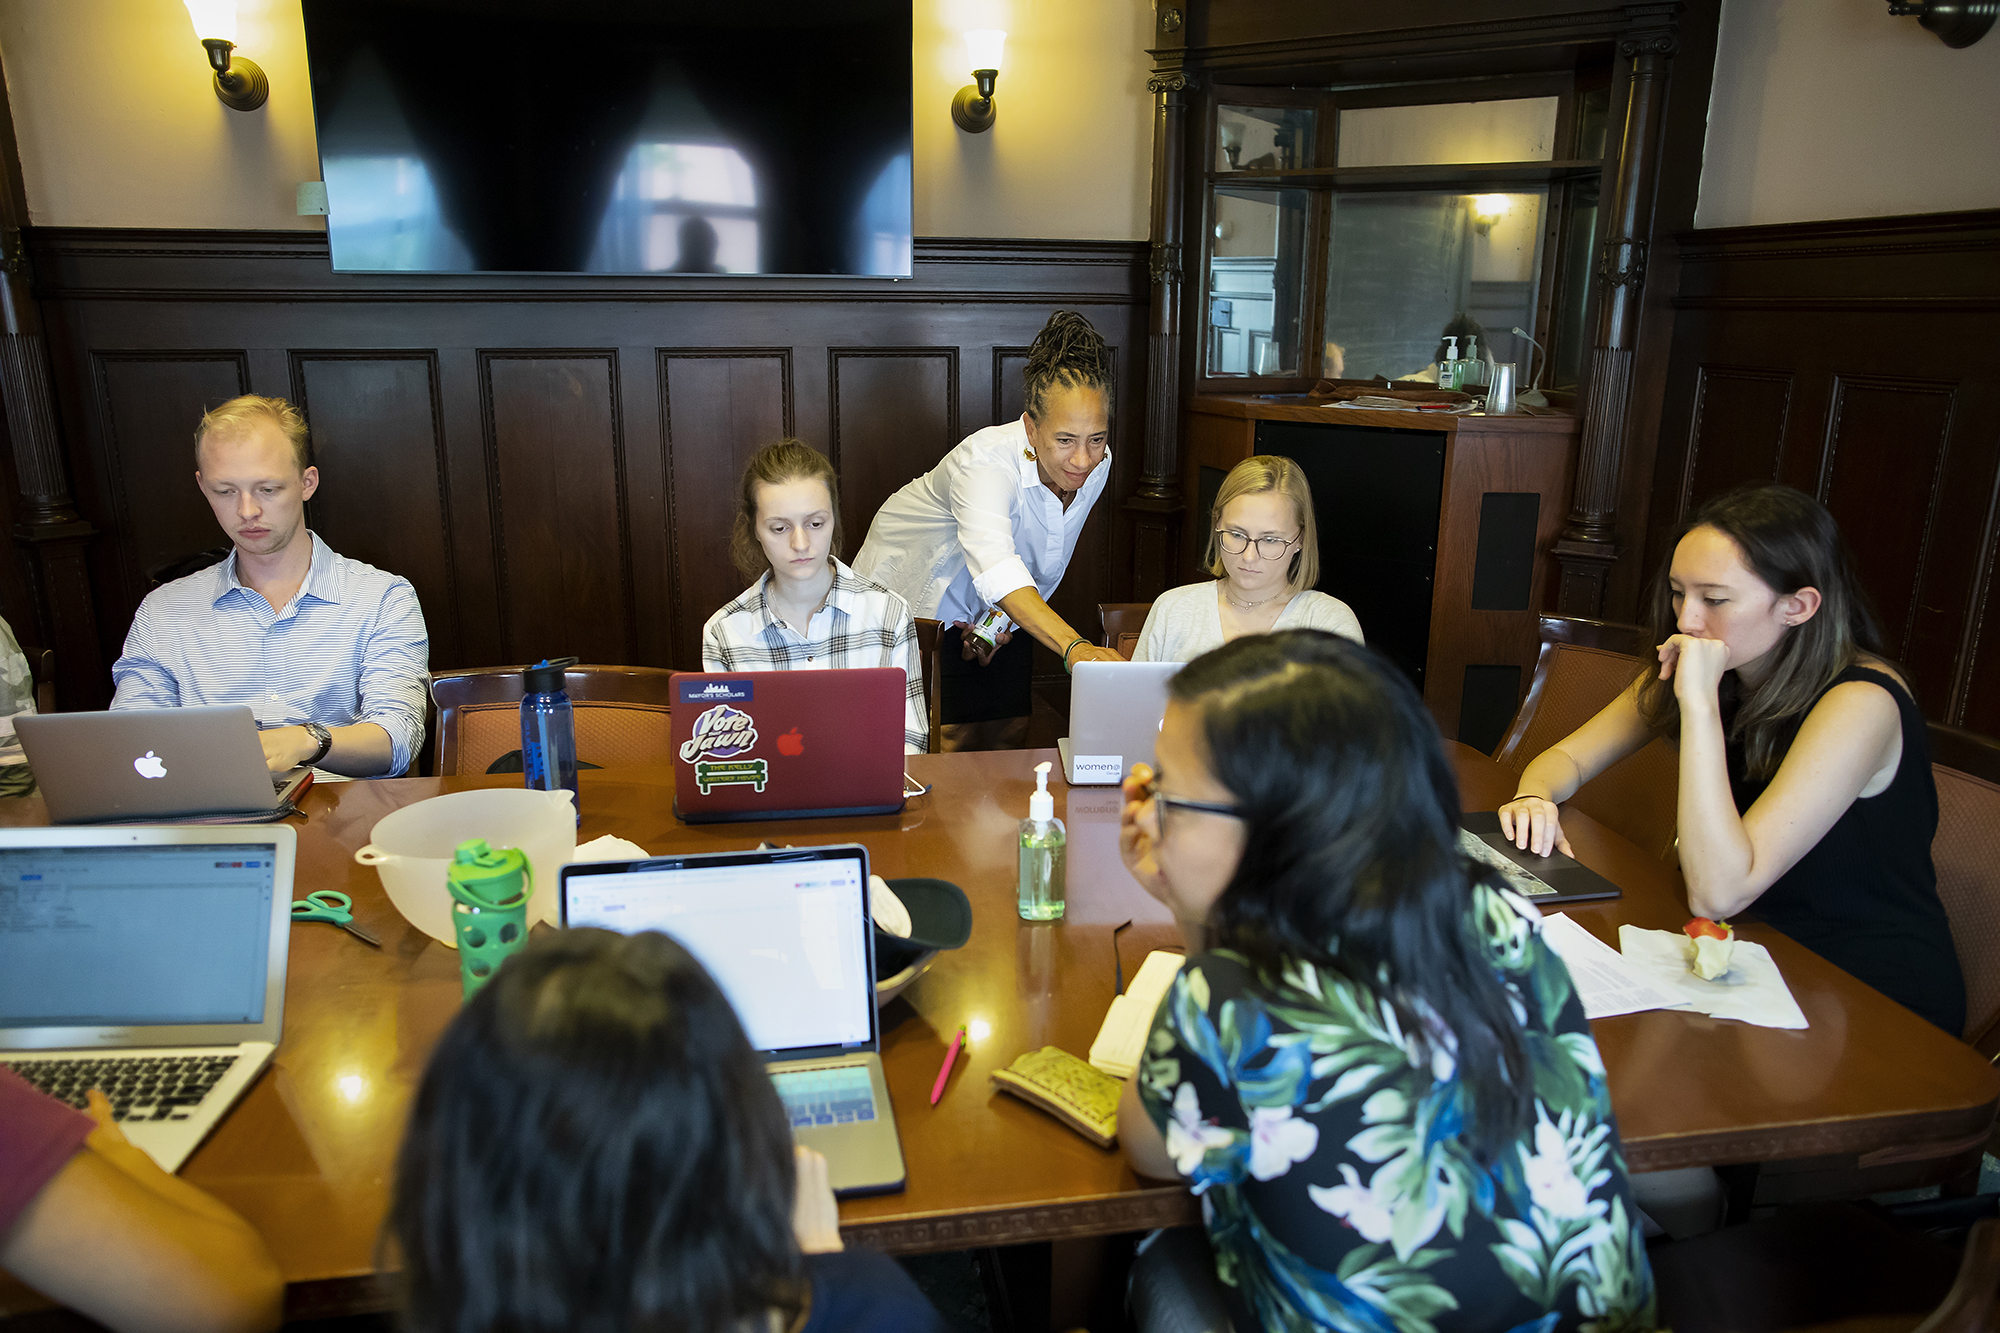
548	730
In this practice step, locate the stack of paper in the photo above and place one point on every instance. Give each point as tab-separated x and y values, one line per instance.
1653	972
1605	982
1121	1042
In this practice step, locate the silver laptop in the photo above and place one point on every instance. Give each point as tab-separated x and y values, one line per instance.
155	763
147	962
1115	709
787	936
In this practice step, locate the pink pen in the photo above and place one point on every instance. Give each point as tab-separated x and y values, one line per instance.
937	1088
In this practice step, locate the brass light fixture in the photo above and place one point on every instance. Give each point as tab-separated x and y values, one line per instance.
1488	209
973	109
239	84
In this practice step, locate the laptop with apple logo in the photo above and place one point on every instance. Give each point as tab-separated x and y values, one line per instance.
156	764
787	744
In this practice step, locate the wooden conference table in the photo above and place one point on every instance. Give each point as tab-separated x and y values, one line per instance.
308	1155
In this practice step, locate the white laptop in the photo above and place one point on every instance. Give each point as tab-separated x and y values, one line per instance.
787	936
156	763
1115	709
149	962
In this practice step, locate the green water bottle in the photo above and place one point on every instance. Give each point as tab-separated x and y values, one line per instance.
490	891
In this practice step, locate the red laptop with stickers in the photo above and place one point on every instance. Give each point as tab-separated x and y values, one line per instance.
787	744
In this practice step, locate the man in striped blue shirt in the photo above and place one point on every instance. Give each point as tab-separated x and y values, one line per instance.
331	655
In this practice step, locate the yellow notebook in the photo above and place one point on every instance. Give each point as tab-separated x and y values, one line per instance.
1068	1089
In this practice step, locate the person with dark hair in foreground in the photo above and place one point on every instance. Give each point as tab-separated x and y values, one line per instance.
595	1145
1371	1068
89	1220
993	525
1805	775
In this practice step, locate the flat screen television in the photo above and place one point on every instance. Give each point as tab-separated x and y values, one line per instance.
614	136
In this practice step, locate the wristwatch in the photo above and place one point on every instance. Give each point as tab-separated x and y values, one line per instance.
325	739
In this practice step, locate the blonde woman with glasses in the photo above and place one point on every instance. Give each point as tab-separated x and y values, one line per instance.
1264	553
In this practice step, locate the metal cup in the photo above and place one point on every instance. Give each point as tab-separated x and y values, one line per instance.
1500	393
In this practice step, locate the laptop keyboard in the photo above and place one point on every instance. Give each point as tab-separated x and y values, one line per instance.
165	1087
838	1096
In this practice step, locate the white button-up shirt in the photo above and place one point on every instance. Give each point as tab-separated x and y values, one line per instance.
976	527
349	647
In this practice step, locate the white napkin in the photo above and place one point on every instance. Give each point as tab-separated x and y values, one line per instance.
608	848
887	908
1605	981
1751	991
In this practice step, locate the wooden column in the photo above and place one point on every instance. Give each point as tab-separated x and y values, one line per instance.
1587	546
1154	509
46	523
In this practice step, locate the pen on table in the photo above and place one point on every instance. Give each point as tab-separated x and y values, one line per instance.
937	1088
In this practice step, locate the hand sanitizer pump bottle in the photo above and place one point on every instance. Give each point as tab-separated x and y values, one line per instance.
1472	371
1448	368
1043	839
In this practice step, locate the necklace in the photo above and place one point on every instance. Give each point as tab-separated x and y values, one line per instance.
1249	606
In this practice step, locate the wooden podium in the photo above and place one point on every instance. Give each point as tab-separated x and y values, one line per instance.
1436	529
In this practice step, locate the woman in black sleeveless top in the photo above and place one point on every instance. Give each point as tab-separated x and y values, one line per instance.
1805	777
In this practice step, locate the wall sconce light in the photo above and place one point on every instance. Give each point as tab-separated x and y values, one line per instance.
972	109
1488	209
1957	23
239	84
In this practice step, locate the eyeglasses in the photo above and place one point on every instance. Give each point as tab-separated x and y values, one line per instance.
1271	548
1165	803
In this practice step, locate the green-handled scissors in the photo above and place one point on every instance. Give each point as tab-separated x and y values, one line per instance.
338	908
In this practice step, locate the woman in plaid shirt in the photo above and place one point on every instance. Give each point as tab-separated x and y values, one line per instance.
808	611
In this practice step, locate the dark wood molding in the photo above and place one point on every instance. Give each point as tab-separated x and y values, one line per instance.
1968	232
300	359
1138	1210
685	378
1833	356
1588	545
1153	509
102	264
488	358
47	525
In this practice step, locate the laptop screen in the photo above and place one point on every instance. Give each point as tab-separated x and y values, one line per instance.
111	936
785	939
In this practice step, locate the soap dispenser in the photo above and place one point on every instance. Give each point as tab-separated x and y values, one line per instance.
1472	370
1448	367
1043	839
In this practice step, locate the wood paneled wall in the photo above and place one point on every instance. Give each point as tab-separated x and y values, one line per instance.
1856	360
551	461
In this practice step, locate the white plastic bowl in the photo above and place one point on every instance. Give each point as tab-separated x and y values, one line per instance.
411	847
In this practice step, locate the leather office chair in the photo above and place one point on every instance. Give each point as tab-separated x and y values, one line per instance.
1582	666
1823	1267
1966	852
622	715
927	648
42	669
1121	622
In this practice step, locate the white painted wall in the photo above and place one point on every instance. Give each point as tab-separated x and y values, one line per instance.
118	126
1833	109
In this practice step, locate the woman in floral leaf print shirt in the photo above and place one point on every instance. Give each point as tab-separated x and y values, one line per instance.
1372	1070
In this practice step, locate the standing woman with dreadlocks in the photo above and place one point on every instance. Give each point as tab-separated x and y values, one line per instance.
994	525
